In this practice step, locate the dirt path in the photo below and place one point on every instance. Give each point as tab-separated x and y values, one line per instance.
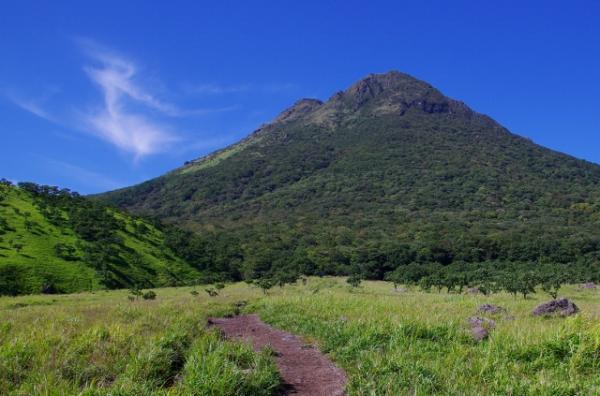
304	369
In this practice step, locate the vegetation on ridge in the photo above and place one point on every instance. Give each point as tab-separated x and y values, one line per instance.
388	173
55	241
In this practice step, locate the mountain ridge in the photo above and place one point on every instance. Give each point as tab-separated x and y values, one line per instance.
390	160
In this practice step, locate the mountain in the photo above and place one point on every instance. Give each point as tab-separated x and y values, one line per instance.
389	171
55	241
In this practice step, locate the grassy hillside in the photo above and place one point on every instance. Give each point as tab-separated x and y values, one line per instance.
389	342
390	172
53	241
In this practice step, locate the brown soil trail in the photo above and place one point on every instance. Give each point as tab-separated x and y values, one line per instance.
305	370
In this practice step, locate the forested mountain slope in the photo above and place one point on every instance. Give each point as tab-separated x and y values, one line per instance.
54	241
385	173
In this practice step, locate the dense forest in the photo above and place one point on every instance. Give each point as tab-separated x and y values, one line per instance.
389	173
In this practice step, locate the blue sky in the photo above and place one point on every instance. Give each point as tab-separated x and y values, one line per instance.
100	95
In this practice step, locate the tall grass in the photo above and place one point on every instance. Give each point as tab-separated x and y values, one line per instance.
419	343
389	343
103	344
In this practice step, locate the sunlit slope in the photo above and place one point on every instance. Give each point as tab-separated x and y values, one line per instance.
66	244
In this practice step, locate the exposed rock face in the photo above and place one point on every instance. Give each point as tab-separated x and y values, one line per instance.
481	327
391	92
491	309
298	110
562	307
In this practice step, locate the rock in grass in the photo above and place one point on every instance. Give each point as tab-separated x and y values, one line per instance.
474	290
490	309
562	307
588	285
481	327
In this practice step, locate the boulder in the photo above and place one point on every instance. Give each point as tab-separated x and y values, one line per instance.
490	309
481	327
562	307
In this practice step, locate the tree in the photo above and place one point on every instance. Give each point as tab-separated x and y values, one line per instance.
136	292
426	283
265	284
11	280
354	280
551	283
283	278
510	283
527	283
18	247
65	251
394	277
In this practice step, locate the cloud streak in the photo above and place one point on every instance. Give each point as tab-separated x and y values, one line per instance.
219	89
115	122
32	106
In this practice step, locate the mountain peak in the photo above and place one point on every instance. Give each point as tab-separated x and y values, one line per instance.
298	109
392	86
392	80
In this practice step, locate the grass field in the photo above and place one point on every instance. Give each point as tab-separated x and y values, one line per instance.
390	343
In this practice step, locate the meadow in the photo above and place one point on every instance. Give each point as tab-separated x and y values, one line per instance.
390	342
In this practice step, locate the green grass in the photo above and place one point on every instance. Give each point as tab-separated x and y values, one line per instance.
37	257
390	343
103	344
28	240
215	158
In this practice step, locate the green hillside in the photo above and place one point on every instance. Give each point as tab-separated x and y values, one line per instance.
55	241
386	173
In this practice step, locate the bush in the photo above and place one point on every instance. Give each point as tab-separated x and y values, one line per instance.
149	295
265	284
354	280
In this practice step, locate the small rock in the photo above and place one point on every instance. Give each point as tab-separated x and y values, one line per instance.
473	290
562	307
479	321
479	333
491	309
588	285
481	327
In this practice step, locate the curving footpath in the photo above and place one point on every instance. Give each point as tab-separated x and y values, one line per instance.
303	368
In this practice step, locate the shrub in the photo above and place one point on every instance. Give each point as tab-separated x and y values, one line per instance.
354	280
149	295
265	284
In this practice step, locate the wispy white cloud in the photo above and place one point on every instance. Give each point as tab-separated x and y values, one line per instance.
130	116
31	105
131	131
221	89
214	89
